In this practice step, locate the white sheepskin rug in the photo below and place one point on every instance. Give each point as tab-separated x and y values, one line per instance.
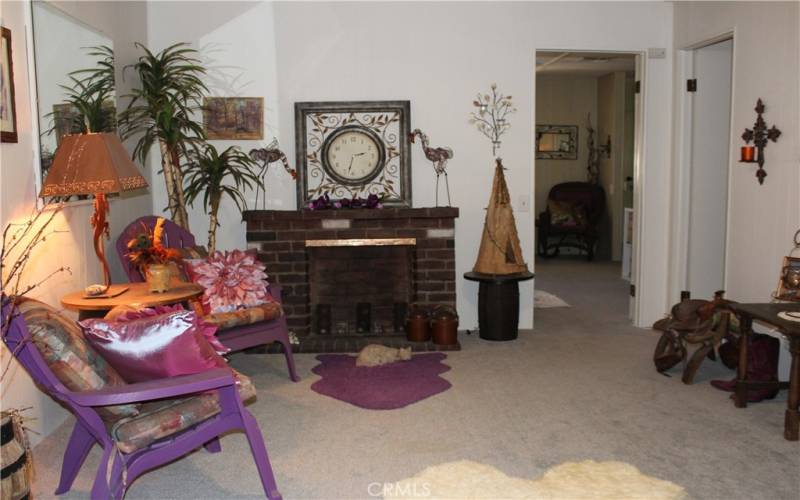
587	480
544	300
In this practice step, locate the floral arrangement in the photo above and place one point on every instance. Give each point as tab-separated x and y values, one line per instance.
324	202
147	248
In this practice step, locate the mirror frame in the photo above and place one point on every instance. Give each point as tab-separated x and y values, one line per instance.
33	91
571	130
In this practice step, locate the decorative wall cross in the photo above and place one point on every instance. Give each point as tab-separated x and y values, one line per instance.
760	136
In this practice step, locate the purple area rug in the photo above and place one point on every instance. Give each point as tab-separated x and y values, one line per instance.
383	387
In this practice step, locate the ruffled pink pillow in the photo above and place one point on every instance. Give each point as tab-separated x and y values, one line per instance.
153	346
209	330
232	280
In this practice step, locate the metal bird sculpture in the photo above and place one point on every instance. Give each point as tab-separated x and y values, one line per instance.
437	156
265	157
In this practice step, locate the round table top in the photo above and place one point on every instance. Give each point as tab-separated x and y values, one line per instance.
137	294
499	278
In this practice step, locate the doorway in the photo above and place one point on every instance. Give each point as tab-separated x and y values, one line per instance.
589	102
708	137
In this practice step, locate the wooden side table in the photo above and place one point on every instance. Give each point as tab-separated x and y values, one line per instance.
498	304
137	295
768	314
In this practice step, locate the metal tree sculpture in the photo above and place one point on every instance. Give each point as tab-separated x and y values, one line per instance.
491	117
264	157
437	156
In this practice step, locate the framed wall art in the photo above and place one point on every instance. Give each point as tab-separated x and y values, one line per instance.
8	108
556	142
353	149
234	118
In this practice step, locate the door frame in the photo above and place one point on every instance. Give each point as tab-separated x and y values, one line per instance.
639	152
681	185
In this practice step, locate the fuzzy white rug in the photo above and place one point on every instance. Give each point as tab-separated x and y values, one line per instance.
587	480
542	300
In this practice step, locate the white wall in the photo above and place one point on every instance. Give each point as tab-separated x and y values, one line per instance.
611	125
761	219
124	22
236	41
437	55
563	100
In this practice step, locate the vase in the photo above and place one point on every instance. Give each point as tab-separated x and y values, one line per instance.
158	277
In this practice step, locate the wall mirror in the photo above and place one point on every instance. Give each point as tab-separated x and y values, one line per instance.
74	79
557	142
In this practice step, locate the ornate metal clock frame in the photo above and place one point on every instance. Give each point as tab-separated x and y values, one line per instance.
387	123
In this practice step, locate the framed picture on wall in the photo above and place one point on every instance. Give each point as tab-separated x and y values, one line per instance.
8	109
556	142
234	118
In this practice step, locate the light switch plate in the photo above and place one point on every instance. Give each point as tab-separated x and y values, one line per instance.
524	203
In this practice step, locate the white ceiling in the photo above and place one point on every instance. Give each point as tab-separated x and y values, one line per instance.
583	63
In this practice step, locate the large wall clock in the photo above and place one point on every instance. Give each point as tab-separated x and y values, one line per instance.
353	149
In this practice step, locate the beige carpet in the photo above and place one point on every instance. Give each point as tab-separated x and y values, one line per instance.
544	300
587	480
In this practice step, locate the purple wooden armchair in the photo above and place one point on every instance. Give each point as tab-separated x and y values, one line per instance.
93	427
235	338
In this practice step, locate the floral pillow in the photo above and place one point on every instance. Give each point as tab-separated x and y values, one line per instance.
232	280
564	213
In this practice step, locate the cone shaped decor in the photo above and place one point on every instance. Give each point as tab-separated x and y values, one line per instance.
500	252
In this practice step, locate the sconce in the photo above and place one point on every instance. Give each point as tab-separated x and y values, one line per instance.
760	136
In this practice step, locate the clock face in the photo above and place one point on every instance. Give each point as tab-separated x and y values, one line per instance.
353	155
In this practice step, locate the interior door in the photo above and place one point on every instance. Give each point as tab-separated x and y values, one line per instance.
709	164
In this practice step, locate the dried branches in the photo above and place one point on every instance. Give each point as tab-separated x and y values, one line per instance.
491	117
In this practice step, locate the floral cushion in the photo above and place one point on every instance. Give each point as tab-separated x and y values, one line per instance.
73	361
564	213
160	419
263	312
232	280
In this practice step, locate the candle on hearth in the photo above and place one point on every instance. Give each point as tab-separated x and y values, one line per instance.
748	153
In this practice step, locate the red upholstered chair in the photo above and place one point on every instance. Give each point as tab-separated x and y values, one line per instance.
237	330
140	426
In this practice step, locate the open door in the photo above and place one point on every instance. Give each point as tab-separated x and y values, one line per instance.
709	89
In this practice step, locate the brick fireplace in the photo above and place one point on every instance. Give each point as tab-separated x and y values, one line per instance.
341	258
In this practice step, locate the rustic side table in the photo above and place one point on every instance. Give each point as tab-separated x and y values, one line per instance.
498	304
137	294
768	314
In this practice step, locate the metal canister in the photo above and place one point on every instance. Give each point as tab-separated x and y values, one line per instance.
444	325
417	325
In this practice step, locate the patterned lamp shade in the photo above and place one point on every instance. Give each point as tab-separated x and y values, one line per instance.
87	164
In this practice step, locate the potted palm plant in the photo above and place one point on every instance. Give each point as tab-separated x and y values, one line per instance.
214	175
91	96
162	110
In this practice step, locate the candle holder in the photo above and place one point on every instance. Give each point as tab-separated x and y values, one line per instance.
760	135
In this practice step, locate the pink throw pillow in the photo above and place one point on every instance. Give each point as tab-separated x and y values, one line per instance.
209	330
232	280
153	346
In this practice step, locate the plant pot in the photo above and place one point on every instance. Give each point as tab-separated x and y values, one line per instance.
158	277
16	460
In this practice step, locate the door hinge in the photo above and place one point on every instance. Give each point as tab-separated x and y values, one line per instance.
691	85
633	291
637	87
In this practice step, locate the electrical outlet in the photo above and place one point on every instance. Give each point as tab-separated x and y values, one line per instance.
524	202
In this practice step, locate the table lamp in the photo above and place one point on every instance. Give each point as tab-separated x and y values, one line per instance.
93	164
